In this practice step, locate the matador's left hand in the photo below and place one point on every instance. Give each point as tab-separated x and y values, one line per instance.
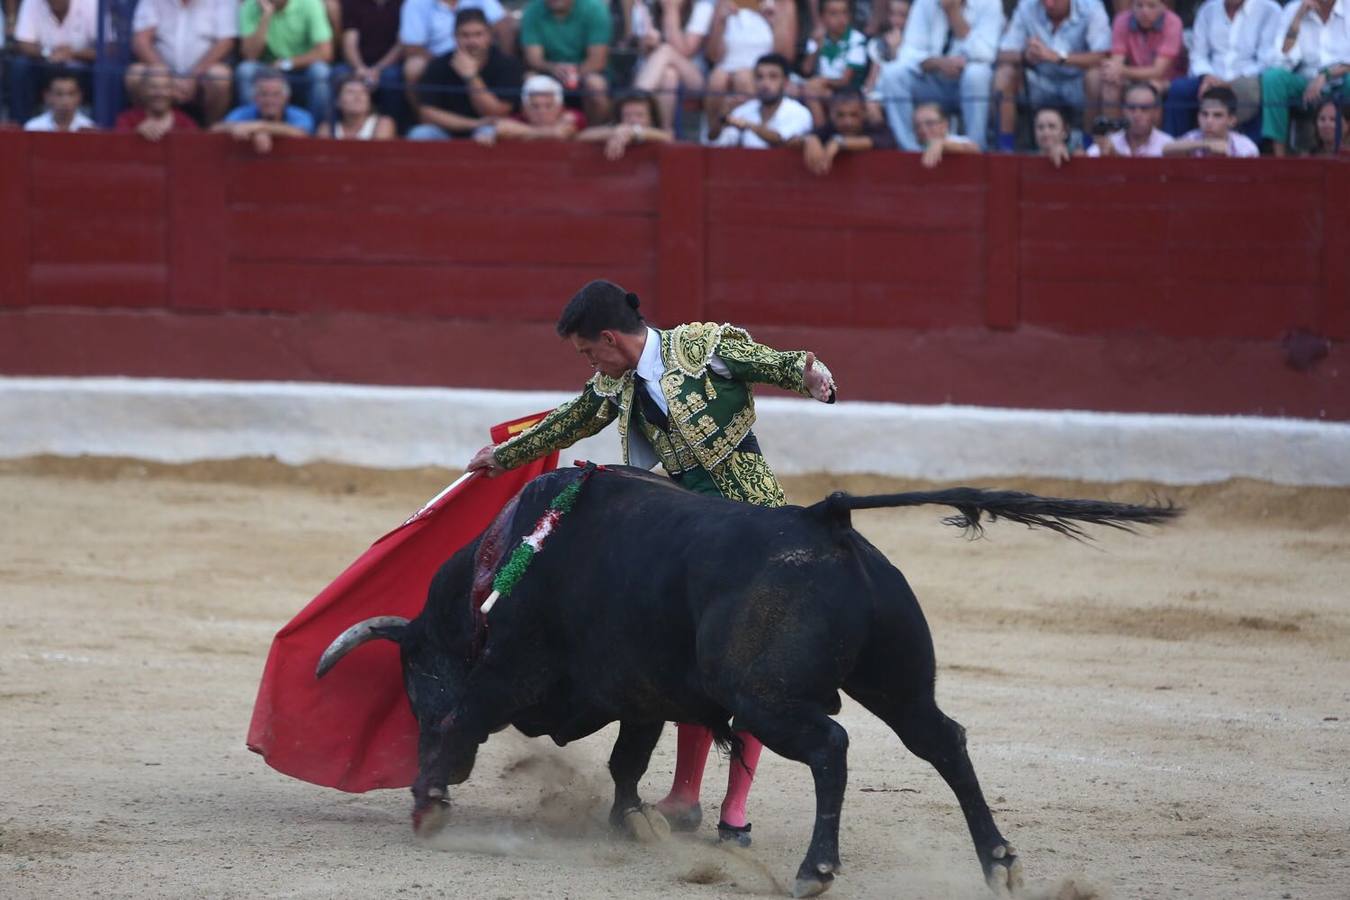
818	380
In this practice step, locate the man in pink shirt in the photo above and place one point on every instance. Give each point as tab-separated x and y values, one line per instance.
1145	46
1139	138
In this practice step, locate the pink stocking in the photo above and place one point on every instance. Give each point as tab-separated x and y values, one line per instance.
739	780
691	755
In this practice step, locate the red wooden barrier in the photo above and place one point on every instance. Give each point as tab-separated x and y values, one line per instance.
1133	285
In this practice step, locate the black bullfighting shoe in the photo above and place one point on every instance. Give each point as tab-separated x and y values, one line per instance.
741	836
681	818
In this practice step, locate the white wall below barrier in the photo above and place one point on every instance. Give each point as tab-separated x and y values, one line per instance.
393	427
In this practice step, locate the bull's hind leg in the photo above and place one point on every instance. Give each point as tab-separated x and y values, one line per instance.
804	732
933	737
627	764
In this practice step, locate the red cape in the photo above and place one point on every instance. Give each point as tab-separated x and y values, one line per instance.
354	729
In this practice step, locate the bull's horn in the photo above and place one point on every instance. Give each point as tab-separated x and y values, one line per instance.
354	637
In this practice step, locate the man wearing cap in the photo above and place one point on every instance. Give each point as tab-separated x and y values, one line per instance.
683	398
543	116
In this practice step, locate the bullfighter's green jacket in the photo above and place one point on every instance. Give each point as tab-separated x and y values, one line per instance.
710	415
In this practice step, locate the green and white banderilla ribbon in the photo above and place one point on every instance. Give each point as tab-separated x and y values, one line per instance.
509	575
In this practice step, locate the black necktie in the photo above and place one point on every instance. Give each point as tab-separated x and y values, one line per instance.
650	411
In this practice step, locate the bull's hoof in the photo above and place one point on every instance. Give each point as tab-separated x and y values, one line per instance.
429	819
646	825
1004	873
811	886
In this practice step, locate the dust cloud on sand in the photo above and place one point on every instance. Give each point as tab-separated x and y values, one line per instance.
1156	716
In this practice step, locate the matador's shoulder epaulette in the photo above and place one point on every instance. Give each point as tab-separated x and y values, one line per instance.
691	346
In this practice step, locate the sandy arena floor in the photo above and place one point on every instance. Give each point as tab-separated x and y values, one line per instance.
1158	716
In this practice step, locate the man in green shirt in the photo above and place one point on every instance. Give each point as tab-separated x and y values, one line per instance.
569	40
293	36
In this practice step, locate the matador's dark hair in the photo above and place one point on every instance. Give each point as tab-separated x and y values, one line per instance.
601	306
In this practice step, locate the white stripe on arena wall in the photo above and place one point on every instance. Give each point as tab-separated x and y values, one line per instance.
397	427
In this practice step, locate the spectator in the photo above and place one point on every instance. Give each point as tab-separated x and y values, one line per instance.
881	49
1140	137
427	30
1055	48
1233	40
192	40
544	115
1146	45
864	16
356	118
294	37
370	51
771	119
1216	135
569	40
62	96
669	64
836	57
467	88
50	33
947	56
155	116
744	31
1312	60
270	115
1051	128
638	123
847	131
1330	139
934	132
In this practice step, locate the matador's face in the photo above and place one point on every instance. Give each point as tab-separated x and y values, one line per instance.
603	353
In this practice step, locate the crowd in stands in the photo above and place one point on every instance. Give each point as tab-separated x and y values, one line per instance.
1063	77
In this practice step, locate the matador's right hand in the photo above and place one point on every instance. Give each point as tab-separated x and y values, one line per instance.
486	462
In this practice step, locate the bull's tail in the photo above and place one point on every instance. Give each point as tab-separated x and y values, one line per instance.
974	504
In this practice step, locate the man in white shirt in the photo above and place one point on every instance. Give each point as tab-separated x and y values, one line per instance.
1233	40
62	97
49	33
946	56
192	40
1312	58
771	119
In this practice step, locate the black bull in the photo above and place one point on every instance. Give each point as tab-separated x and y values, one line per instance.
650	603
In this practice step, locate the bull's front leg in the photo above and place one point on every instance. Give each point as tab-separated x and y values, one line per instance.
445	756
627	764
448	746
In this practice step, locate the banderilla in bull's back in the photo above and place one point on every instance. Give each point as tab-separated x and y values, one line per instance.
649	603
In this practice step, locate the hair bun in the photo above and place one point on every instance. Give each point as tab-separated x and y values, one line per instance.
632	299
